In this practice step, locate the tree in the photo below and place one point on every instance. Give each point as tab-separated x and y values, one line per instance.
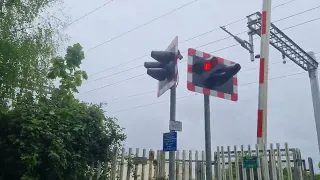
68	69
56	137
28	40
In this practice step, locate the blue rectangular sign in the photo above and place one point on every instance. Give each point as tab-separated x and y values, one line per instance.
170	141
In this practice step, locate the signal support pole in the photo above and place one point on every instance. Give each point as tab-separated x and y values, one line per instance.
172	118
207	134
165	70
313	75
211	76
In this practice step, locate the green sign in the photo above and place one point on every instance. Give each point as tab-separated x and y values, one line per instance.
250	162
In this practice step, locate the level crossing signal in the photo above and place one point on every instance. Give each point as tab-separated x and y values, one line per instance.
165	68
212	75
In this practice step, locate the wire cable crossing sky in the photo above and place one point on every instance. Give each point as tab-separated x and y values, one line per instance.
185	61
210	31
119	36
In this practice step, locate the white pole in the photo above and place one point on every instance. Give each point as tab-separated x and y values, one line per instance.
263	74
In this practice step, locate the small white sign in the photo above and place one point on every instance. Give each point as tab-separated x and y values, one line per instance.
175	126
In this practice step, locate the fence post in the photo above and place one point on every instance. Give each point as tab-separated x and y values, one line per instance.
301	170
143	165
122	164
203	166
295	165
135	174
215	166
244	171
177	165
197	166
223	164
265	168
258	154
311	171
113	164
251	173
163	160
288	161
273	163
157	165
183	165
218	164
129	167
151	159
229	164
236	163
279	159
190	165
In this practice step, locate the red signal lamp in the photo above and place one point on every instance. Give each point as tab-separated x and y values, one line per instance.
207	66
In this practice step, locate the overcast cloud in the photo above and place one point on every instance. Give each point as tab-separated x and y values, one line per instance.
290	111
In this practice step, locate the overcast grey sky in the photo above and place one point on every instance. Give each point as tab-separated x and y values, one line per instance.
290	113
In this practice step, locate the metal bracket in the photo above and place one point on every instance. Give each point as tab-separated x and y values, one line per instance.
283	43
245	44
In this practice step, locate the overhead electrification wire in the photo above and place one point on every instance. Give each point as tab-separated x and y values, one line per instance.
66	26
194	37
135	67
234	22
210	52
300	24
94	10
144	24
190	95
213	42
112	84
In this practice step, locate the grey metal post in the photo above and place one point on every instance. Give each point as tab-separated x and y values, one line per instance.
251	45
250	33
296	174
311	171
172	118
313	75
207	135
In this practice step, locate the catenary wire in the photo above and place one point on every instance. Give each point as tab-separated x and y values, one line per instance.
227	47
202	34
210	52
87	14
187	96
212	42
144	24
72	22
234	22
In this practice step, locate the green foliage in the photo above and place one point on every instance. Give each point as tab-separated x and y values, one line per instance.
26	47
56	137
68	69
46	136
